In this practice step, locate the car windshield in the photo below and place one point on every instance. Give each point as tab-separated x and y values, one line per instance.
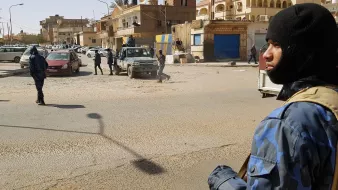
58	56
137	53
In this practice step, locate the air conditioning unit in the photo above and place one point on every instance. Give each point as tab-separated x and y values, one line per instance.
264	18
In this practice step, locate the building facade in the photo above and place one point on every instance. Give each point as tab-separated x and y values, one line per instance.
56	29
145	21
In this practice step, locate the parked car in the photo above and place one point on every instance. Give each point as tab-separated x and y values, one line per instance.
63	62
91	53
136	60
24	60
11	53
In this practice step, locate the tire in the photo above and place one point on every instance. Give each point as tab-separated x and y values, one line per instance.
17	59
89	56
131	73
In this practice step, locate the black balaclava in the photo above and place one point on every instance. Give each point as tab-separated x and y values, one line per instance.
307	34
34	51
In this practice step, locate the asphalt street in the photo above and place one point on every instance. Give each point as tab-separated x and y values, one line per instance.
112	132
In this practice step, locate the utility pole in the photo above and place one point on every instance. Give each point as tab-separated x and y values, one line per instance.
165	18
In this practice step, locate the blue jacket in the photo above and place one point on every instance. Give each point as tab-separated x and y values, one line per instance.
293	148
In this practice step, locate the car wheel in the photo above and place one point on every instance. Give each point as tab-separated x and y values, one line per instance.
89	56
17	59
130	71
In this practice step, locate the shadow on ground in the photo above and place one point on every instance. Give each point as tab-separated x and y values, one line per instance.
144	165
65	106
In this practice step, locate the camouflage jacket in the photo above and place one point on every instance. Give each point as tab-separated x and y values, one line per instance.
293	148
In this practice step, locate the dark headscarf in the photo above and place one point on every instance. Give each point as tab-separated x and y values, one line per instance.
34	51
308	37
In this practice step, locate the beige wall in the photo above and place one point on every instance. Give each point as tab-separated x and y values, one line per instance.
86	39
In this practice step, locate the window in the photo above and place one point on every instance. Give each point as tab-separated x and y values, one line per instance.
93	41
197	39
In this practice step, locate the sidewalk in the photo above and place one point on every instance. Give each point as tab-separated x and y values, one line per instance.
11	69
216	64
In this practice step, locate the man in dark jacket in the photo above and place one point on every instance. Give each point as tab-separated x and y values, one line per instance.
294	147
161	61
131	41
97	62
38	67
253	53
110	61
152	52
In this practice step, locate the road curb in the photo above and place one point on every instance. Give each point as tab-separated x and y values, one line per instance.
15	72
209	65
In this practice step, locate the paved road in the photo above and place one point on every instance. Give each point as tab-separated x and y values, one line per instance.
111	132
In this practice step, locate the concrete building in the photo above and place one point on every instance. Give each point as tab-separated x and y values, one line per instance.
226	30
145	21
88	38
56	29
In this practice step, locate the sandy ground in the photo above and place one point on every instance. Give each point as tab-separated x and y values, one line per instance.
112	132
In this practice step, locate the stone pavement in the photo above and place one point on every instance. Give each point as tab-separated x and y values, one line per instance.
11	69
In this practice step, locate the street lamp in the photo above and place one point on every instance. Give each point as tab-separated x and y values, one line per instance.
10	18
106	4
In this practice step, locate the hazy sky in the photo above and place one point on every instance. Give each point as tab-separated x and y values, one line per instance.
27	17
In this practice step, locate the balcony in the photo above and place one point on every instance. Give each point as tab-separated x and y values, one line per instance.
127	31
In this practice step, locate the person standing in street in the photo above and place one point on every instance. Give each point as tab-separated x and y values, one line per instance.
161	61
151	52
37	68
253	53
295	146
110	61
97	62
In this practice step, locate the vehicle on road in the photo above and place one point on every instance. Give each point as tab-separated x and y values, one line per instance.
11	53
91	52
24	60
265	85
136	60
63	62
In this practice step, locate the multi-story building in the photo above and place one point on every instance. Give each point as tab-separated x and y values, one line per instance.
57	29
145	21
227	29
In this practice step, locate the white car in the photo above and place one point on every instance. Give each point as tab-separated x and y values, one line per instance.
91	52
24	61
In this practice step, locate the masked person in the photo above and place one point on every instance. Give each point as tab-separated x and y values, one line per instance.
37	68
295	146
97	62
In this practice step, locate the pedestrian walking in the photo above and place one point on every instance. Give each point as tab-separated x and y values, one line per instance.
295	146
37	68
97	62
161	61
253	53
110	61
151	52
